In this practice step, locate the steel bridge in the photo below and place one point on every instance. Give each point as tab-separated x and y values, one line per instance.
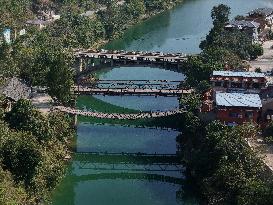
133	162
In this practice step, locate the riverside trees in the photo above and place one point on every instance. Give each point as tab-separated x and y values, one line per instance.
30	170
218	157
222	164
221	49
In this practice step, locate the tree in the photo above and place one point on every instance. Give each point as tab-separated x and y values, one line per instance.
60	77
19	157
191	102
14	14
225	58
220	16
135	8
24	117
10	193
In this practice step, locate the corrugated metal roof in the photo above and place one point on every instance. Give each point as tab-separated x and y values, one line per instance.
238	100
238	74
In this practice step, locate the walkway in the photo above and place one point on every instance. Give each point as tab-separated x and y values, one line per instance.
130	91
132	56
142	115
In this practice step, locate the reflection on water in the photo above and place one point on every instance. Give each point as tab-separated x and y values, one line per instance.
181	29
101	138
142	103
140	73
105	182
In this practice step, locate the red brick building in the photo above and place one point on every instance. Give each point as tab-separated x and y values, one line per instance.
237	108
242	80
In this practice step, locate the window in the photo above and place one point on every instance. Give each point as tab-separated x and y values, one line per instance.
249	114
218	84
233	115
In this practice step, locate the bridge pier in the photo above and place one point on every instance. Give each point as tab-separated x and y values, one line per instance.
80	68
75	120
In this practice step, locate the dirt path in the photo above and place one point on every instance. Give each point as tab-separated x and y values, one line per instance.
265	62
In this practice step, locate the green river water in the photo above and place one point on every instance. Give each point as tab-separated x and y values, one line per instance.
103	180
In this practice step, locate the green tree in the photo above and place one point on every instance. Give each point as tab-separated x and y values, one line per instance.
19	157
220	16
24	117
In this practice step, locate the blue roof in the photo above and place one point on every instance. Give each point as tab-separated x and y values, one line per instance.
238	100
238	74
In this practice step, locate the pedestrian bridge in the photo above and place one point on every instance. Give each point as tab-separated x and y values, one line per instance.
88	57
130	87
136	162
119	116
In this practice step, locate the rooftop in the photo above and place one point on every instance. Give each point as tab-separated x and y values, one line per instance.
238	74
262	11
243	23
238	100
15	89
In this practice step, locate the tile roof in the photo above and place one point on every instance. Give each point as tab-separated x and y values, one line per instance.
238	74
15	89
238	100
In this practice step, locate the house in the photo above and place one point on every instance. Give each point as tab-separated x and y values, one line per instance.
43	20
250	27
38	23
251	81
13	90
238	108
265	14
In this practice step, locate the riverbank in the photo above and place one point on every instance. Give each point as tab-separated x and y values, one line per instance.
141	19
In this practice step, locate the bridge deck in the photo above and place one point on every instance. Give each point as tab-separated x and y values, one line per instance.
132	56
118	116
130	91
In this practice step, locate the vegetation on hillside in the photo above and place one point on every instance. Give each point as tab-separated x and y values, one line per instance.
29	171
218	158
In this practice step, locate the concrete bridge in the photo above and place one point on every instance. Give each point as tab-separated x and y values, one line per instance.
118	116
88	57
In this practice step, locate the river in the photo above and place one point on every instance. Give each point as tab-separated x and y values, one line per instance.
126	180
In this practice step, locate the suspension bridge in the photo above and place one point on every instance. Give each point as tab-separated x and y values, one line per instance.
118	116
